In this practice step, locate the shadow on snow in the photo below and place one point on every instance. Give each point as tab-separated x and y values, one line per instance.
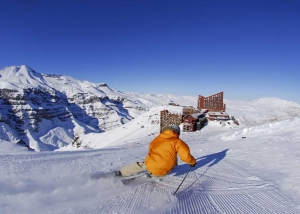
211	159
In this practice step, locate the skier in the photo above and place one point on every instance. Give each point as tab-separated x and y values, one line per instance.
162	155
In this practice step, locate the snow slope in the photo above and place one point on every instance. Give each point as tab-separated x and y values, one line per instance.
144	125
262	110
251	169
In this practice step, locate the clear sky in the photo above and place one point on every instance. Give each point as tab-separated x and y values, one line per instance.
248	49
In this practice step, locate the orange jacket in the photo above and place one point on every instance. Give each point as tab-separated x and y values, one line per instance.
162	155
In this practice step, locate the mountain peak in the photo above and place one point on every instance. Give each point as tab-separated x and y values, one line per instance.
18	68
21	76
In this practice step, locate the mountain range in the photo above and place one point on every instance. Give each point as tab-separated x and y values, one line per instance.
46	112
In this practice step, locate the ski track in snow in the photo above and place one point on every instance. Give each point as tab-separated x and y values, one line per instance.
220	187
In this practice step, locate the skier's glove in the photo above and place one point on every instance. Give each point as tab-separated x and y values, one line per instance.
193	165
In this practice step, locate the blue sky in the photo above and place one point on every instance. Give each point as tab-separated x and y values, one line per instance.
248	49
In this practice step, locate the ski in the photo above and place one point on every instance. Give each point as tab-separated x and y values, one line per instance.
112	175
133	180
137	180
141	179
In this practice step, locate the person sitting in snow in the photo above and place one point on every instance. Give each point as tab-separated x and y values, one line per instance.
162	155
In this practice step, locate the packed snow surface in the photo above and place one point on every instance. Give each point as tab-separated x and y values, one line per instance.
240	169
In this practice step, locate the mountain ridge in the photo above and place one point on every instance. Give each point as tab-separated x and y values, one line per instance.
48	112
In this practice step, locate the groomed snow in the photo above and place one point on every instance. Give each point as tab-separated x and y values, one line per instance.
240	169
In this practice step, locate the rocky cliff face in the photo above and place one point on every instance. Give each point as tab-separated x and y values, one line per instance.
46	112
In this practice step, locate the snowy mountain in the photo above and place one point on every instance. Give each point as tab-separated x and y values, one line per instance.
49	112
262	110
36	107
